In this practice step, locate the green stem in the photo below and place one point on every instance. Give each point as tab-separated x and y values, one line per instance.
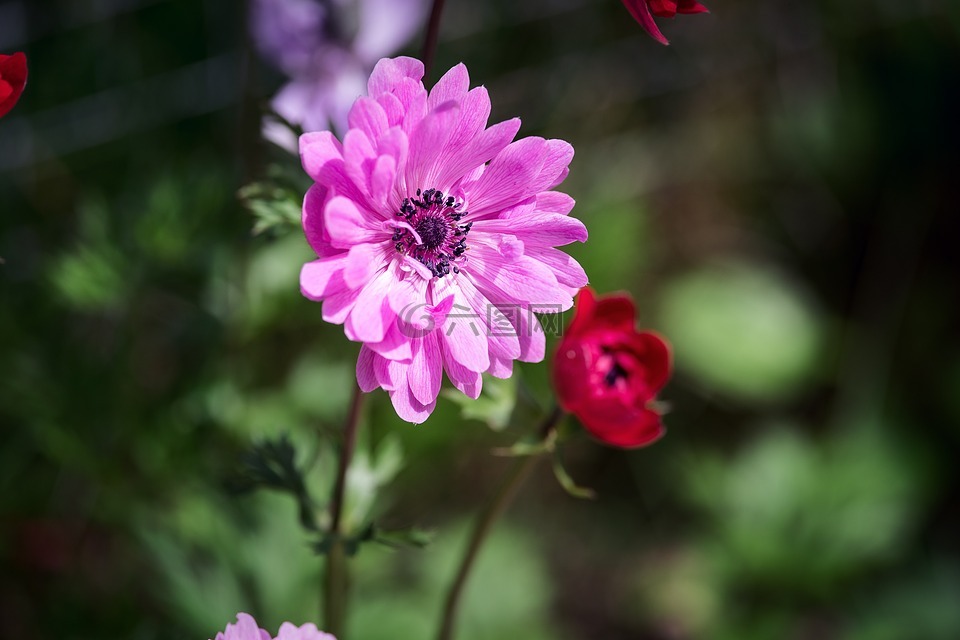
337	578
501	500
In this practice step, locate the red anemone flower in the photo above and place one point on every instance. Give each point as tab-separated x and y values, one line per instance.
607	373
13	77
643	12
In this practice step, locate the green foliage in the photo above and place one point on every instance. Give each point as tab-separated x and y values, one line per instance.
743	331
95	275
844	506
275	209
496	403
147	338
507	596
271	465
370	472
213	562
922	606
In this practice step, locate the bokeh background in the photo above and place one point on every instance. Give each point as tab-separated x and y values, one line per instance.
778	190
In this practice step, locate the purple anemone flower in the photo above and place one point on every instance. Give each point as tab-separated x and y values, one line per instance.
436	236
327	49
247	628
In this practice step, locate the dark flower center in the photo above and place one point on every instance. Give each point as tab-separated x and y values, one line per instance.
615	373
432	233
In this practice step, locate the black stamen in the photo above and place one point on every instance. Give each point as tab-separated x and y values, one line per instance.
616	373
434	217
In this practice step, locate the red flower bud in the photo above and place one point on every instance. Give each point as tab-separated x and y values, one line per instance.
643	12
607	373
13	78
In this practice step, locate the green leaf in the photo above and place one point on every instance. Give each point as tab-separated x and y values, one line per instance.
494	406
276	209
368	473
568	483
412	537
271	465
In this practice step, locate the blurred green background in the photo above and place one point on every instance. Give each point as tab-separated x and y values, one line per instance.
778	191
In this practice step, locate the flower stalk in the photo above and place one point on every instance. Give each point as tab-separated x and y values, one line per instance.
336	575
521	470
432	36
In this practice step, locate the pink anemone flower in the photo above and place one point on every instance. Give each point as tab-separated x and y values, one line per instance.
247	628
436	235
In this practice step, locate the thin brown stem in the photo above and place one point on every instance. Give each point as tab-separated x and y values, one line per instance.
336	575
346	455
431	38
501	500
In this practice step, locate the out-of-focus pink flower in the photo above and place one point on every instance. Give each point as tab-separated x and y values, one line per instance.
429	256
327	49
13	78
608	374
643	12
247	628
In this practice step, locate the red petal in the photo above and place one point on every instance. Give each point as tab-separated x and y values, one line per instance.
13	72
583	313
654	352
641	13
663	8
616	312
691	6
621	426
570	374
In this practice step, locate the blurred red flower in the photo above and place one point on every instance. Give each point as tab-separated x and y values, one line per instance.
643	12
607	373
13	77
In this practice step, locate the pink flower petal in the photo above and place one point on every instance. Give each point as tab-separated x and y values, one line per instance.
366	377
452	86
484	147
309	631
408	407
554	202
391	72
371	315
337	308
507	179
463	336
501	367
369	116
554	167
314	203
568	271
395	344
346	224
382	179
426	142
246	628
316	150
425	372
393	108
538	228
521	281
361	262
467	382
324	277
501	344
